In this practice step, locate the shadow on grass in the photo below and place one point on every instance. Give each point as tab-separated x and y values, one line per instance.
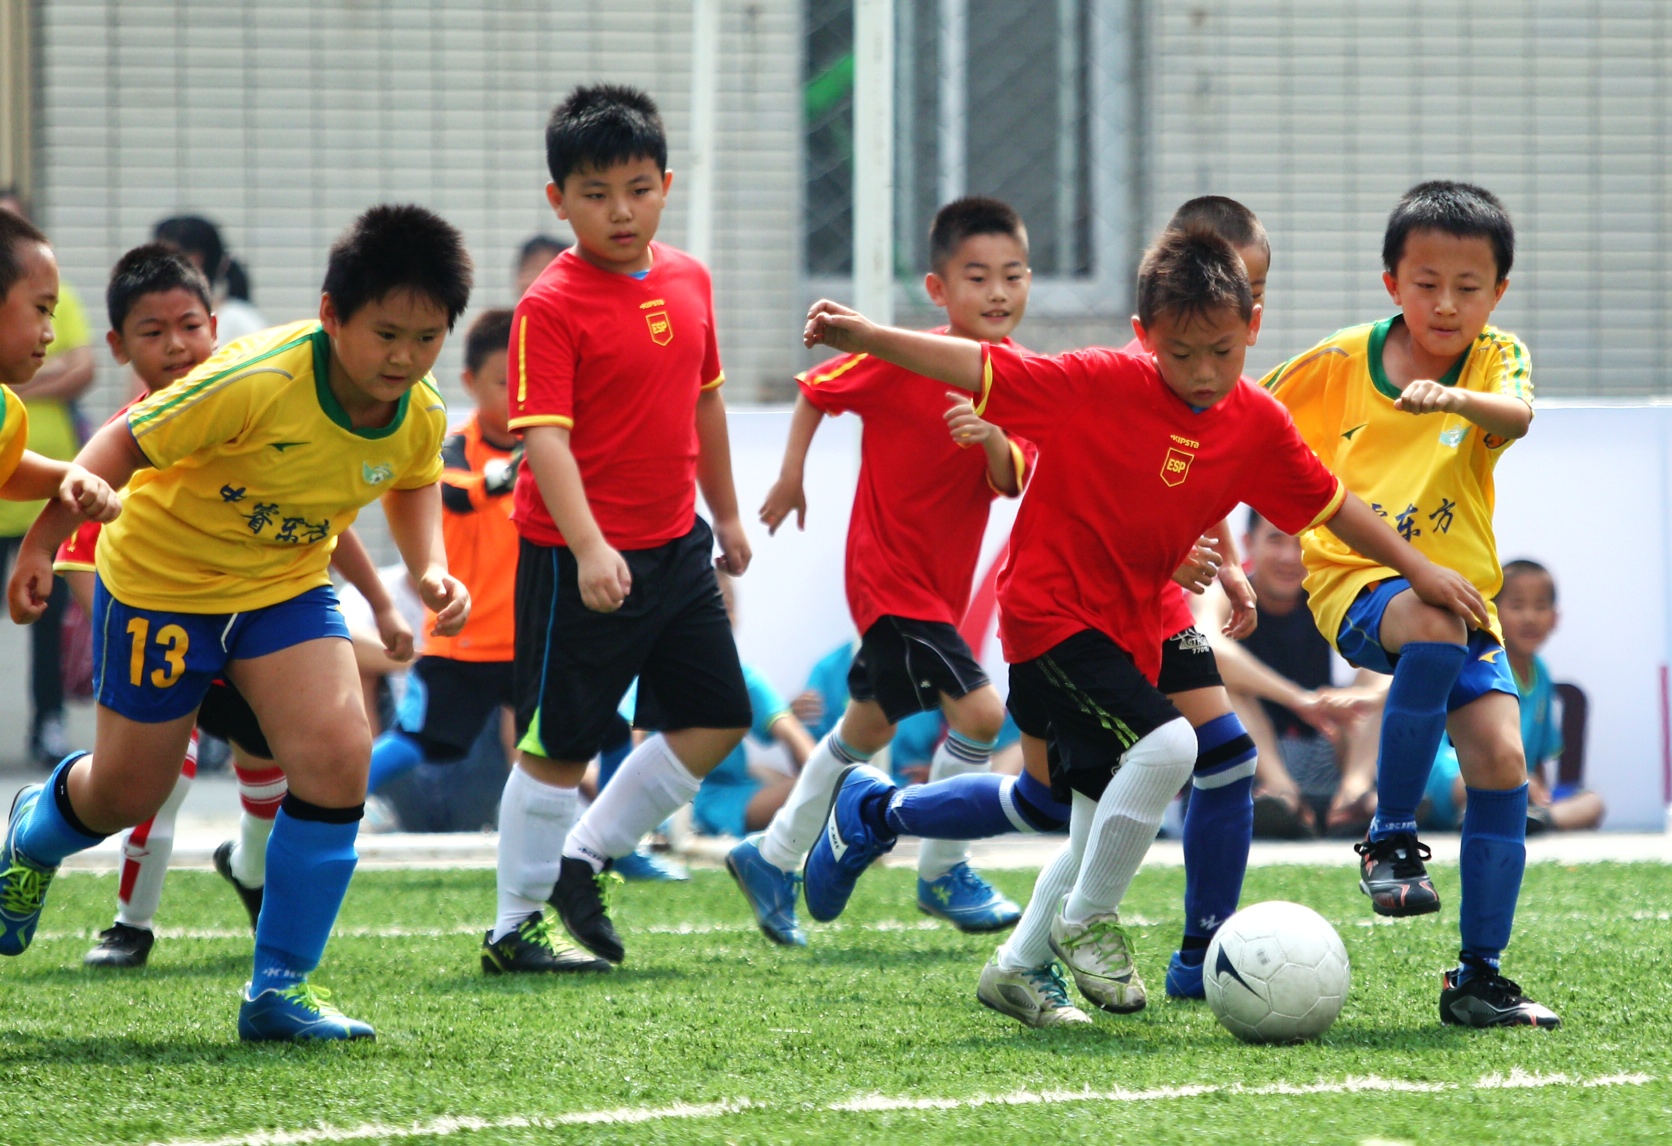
466	983
219	1044
58	975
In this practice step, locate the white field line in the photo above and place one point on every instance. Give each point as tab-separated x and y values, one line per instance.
443	1127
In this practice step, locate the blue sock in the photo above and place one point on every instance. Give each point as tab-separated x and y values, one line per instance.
1218	827
310	858
393	755
1412	724
1035	804
53	830
973	806
1494	856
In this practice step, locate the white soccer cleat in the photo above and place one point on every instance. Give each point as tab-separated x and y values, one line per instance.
1036	997
1099	957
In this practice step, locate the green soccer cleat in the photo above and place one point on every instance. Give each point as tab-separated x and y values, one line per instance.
534	948
23	883
1098	955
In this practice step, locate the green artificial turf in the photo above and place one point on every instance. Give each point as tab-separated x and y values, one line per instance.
706	1012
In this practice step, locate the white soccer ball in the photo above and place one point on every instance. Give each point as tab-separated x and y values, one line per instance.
1276	972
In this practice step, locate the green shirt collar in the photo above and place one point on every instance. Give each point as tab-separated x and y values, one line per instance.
1379	376
328	400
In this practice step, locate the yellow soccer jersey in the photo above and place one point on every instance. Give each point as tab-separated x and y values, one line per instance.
1429	475
14	432
257	472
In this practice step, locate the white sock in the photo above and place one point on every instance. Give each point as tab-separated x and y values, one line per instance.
795	829
956	756
534	819
249	854
1029	946
651	785
1128	816
145	853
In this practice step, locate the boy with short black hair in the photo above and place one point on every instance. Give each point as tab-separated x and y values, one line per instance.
615	385
919	514
218	565
1414	412
1140	456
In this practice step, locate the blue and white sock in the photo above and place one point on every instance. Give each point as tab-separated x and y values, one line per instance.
394	754
53	831
957	755
310	859
1413	721
1493	859
1218	828
970	807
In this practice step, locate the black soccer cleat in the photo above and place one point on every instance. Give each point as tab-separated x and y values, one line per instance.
1487	999
532	948
579	899
1392	874
250	895
121	946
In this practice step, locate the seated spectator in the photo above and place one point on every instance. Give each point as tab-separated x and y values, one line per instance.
534	256
1317	744
1527	612
819	706
916	737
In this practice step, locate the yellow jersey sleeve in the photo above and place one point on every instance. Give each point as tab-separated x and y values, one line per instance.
14	432
1506	367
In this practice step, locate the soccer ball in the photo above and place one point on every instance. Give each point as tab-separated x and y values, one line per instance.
1276	972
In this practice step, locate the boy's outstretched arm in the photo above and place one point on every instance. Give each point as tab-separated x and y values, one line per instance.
602	573
414	517
1359	526
1501	415
954	361
351	560
714	478
789	492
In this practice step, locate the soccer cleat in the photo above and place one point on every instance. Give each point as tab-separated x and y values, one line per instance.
250	895
1184	980
1099	957
296	1014
1036	997
1487	999
580	902
846	847
534	947
968	902
121	946
23	883
642	867
1392	874
770	892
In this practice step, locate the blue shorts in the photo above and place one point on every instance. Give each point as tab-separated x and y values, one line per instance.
153	666
1486	669
722	809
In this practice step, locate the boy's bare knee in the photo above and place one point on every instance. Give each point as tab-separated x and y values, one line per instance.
978	716
1437	626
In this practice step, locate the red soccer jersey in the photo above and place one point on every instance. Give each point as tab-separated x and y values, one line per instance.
1128	478
619	362
920	511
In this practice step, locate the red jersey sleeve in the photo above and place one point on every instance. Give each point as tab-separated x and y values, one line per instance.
713	375
1023	454
540	368
1290	487
1033	394
76	553
844	384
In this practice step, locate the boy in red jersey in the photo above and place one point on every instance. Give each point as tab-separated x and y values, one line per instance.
919	515
1139	456
614	379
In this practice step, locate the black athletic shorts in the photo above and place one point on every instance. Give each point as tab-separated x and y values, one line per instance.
226	715
447	701
573	665
1187	662
1087	697
904	666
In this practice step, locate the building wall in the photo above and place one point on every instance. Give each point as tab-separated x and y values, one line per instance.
281	121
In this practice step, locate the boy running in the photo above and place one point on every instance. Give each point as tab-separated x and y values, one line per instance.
615	386
248	469
1138	457
1414	412
919	515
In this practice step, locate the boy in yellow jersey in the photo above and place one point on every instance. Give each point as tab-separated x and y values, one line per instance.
1412	413
244	473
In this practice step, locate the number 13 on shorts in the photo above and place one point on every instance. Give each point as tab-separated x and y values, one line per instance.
171	643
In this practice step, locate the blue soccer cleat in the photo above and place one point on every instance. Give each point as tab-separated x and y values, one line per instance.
968	902
296	1014
1184	980
846	847
770	892
642	867
23	882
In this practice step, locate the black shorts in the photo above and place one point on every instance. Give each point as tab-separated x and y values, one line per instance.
1090	701
226	715
672	633
903	666
447	702
1187	662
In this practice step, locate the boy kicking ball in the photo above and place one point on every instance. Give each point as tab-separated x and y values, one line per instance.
253	464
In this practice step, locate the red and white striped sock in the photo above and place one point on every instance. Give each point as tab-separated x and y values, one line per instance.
261	791
146	850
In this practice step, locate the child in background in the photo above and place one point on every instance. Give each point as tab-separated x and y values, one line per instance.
534	256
